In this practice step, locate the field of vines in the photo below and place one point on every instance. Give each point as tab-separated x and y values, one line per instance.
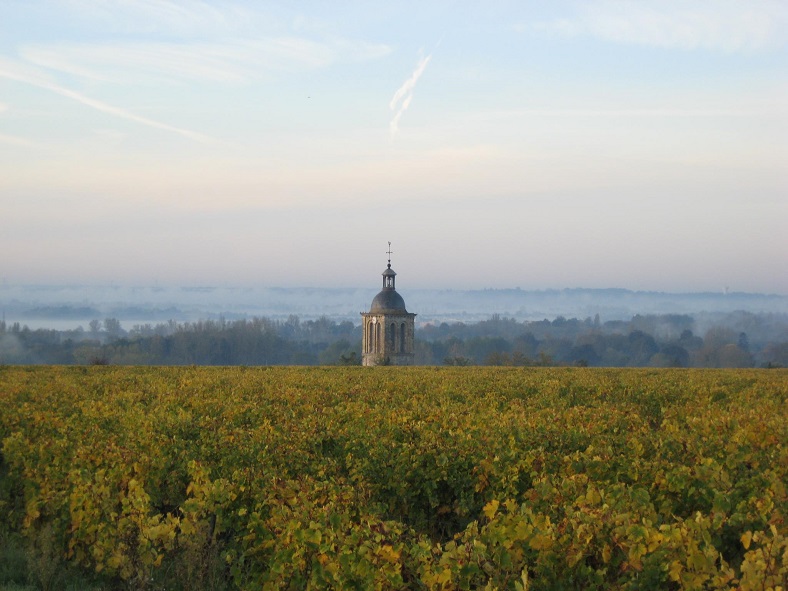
396	478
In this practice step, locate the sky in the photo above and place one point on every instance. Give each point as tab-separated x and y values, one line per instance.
603	143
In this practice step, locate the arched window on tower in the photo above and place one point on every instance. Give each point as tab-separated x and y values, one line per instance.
392	337
377	338
402	338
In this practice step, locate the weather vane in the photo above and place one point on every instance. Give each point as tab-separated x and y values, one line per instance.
388	252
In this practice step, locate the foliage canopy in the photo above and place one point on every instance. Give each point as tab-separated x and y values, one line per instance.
400	478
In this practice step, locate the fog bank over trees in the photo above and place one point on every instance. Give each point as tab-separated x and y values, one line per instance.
306	326
67	307
739	339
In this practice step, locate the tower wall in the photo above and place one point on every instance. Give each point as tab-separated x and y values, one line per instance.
388	338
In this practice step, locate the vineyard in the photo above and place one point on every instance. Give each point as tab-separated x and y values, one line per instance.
396	478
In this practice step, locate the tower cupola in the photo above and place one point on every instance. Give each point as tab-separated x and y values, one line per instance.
388	277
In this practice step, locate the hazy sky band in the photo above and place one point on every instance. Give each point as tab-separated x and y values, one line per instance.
596	144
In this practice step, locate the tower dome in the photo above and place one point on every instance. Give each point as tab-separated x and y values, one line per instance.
388	301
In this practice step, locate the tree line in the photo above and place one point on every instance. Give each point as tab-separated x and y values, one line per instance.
740	339
644	341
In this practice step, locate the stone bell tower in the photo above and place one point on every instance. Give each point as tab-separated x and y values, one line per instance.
388	327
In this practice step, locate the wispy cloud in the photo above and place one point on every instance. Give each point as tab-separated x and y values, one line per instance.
8	71
135	63
173	17
12	139
405	94
728	26
232	61
617	113
15	141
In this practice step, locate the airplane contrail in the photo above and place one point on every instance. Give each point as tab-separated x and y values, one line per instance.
405	94
100	106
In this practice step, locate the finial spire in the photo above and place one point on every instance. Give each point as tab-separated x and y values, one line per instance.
388	252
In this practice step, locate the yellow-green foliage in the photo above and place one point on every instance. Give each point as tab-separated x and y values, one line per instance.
402	478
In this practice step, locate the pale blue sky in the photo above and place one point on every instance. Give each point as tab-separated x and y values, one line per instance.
601	143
